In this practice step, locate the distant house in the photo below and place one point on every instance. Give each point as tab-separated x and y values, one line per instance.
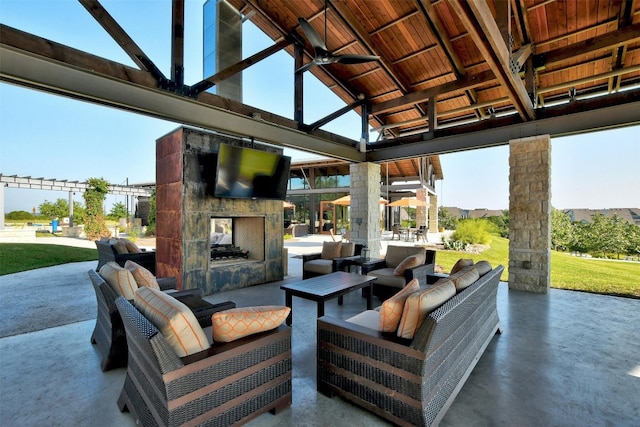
631	215
473	213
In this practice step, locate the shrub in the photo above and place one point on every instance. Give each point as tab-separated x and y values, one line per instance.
473	231
19	215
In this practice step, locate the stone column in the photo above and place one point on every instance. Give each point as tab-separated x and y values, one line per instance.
433	213
421	211
530	214
365	205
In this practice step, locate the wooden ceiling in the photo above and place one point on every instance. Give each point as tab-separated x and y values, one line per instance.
449	63
452	74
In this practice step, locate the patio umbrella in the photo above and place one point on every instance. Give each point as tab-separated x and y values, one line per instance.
288	205
346	200
408	202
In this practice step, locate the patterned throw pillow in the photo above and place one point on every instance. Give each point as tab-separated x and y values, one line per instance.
173	319
141	275
391	309
409	262
230	325
331	250
120	279
420	304
460	264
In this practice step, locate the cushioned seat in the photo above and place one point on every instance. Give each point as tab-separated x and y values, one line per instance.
331	258
400	265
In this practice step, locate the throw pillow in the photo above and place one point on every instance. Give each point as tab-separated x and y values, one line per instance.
331	250
391	309
347	249
411	261
419	304
464	278
460	264
173	319
120	279
119	246
230	325
483	267
141	275
132	248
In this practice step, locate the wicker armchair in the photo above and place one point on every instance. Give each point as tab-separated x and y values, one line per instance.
313	265
227	384
107	253
410	382
109	334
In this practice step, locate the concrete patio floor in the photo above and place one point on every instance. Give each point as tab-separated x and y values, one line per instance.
564	359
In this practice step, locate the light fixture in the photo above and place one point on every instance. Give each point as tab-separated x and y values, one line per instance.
491	111
572	94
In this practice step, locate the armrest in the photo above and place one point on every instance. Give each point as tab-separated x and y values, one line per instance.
434	277
419	273
166	283
388	341
367	267
186	292
309	257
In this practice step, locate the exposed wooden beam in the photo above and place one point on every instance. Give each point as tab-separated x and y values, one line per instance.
611	40
440	33
394	22
476	17
519	57
595	27
351	21
423	95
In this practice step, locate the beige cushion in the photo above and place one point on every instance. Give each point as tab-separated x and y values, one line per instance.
411	261
483	267
465	277
348	249
331	250
419	304
320	266
141	275
173	319
387	277
132	248
120	279
119	246
368	319
230	325
460	264
391	309
396	254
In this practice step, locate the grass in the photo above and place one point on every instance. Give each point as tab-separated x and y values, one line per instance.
17	257
567	272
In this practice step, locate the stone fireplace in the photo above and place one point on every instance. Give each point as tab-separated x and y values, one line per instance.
207	242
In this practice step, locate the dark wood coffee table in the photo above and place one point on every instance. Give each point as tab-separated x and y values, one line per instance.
326	287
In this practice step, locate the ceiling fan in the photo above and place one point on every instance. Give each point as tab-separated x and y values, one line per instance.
322	54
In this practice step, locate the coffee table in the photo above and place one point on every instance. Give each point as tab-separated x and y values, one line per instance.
325	287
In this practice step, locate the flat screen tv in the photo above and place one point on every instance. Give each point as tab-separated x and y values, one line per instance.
248	173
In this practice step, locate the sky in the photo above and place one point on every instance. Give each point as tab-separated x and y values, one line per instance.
50	136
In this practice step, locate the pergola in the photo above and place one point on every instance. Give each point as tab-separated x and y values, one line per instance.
449	75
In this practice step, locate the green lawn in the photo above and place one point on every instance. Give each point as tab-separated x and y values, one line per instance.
567	272
16	257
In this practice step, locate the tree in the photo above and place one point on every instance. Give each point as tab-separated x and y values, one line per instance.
562	230
152	209
446	220
94	197
60	209
118	210
501	223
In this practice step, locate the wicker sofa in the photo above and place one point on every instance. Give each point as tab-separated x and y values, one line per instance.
109	334
107	252
410	382
227	384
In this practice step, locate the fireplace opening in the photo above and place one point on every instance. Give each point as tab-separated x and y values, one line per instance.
236	239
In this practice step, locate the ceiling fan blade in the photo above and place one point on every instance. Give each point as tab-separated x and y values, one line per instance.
355	59
312	35
306	66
